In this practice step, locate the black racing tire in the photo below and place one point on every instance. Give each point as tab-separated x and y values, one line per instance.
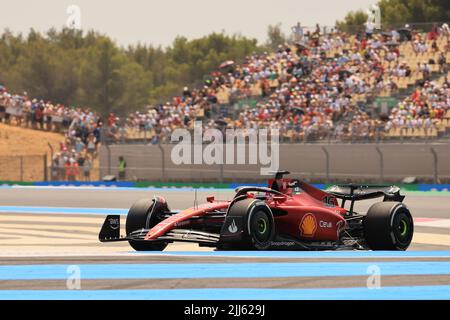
261	227
388	226
257	225
142	216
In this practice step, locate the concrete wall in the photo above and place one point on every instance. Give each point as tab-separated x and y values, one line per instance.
346	162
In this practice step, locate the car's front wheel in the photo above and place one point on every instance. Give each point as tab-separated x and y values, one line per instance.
261	227
144	215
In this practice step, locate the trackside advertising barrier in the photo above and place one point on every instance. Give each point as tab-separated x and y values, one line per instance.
131	184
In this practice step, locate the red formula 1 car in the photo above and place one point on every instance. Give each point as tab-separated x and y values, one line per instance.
289	214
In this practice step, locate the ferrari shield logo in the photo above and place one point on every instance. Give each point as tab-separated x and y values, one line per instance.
308	225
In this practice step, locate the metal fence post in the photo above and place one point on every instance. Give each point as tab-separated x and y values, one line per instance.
45	168
51	150
377	134
109	158
381	163
327	163
435	165
221	167
21	168
163	162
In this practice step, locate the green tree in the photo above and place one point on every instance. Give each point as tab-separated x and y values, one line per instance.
134	92
353	21
275	36
395	13
100	78
89	69
38	69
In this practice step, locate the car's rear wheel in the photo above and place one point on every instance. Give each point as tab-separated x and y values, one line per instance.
144	215
388	226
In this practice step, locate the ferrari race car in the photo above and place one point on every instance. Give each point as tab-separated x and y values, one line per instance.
289	214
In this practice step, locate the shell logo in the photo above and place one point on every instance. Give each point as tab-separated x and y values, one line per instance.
308	225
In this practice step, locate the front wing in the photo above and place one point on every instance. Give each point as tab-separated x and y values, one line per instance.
110	232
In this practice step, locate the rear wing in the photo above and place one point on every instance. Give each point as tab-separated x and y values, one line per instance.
353	192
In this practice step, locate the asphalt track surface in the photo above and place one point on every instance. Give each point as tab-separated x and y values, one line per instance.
47	235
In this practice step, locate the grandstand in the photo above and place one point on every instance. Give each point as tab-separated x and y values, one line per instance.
322	88
379	67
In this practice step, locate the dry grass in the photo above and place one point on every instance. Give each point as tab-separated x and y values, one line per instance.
20	141
22	152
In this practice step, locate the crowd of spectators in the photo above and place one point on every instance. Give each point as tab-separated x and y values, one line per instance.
82	129
308	91
423	109
316	89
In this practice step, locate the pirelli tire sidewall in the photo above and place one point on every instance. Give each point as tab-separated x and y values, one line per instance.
258	225
388	226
